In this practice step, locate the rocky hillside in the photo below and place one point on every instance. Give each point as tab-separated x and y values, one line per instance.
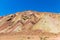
30	21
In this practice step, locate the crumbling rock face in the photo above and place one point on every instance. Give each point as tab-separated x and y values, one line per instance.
31	23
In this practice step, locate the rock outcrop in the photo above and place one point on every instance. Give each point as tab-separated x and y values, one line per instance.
31	23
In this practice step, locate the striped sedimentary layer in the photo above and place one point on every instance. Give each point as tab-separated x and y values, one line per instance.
18	22
29	21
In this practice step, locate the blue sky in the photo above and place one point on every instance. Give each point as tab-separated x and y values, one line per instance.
13	6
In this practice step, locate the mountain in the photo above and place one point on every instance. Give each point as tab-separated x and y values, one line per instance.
30	25
30	20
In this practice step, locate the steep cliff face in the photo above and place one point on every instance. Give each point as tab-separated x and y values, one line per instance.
30	20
